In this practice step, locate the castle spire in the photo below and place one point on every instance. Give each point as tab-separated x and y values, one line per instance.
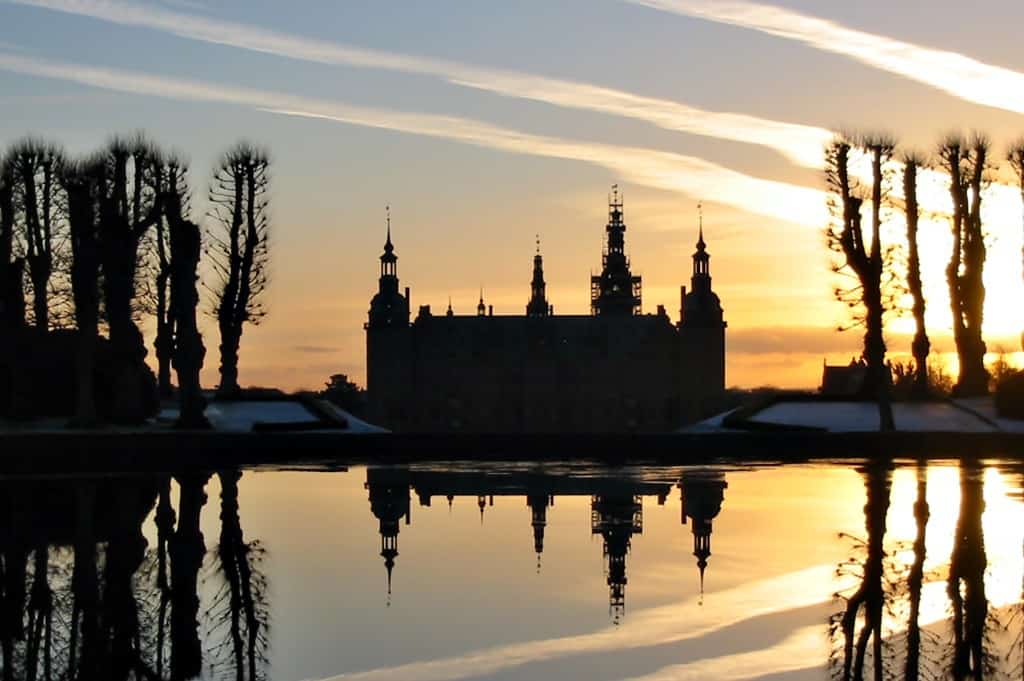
700	228
538	304
615	291
387	244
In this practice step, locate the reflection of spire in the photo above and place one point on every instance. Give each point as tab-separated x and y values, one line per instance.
481	502
701	497
389	503
538	504
616	518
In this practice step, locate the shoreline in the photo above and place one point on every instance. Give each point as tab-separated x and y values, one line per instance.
73	452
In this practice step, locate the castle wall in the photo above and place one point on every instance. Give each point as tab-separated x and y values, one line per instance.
528	374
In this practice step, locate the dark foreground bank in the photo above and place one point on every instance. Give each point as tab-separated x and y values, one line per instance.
77	452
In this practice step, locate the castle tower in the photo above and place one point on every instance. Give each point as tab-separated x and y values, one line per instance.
702	337
387	341
615	292
538	305
701	306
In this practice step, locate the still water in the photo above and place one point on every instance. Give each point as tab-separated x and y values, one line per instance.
527	571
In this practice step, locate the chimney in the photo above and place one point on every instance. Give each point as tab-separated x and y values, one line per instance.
490	310
682	304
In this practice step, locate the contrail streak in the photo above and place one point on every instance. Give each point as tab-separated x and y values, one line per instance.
951	72
801	144
661	170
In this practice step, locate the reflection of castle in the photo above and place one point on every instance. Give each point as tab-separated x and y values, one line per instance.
616	508
701	494
613	370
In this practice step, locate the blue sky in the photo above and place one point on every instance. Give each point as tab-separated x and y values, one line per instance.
466	214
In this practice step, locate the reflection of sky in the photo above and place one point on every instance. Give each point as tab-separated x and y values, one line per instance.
468	601
678	100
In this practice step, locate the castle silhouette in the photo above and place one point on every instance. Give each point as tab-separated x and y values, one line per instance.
615	370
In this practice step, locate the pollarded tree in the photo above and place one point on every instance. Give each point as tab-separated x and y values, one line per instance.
239	251
965	163
12	298
920	346
169	177
863	253
128	209
185	244
1016	157
34	167
82	184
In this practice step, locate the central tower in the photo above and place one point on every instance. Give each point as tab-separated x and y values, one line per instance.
615	292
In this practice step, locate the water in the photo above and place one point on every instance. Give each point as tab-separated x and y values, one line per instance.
528	571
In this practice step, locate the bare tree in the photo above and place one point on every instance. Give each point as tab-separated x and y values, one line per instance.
81	181
184	338
965	162
239	251
128	209
170	177
920	346
12	298
1016	157
34	166
863	254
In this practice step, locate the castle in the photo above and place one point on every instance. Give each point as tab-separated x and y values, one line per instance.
614	370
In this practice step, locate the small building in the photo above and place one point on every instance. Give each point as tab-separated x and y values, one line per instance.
614	370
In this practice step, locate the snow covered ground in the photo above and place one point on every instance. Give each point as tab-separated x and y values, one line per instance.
240	417
976	415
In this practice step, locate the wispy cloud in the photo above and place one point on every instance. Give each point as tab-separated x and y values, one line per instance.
689	175
951	72
800	143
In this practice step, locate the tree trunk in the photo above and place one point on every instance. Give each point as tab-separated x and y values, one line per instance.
164	343
189	351
921	346
230	340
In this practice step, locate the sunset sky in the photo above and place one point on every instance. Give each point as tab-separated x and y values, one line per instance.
484	124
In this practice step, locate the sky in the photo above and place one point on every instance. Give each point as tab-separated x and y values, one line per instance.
486	124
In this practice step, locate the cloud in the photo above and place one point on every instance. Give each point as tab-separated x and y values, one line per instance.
657	169
951	72
314	349
802	144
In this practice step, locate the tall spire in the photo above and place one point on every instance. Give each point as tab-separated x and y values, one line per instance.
615	291
481	309
538	304
700	228
387	211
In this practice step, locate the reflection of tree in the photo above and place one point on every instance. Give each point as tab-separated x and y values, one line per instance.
966	585
868	598
82	597
915	579
240	606
187	549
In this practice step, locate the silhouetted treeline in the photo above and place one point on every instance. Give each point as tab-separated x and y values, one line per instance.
867	169
92	247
